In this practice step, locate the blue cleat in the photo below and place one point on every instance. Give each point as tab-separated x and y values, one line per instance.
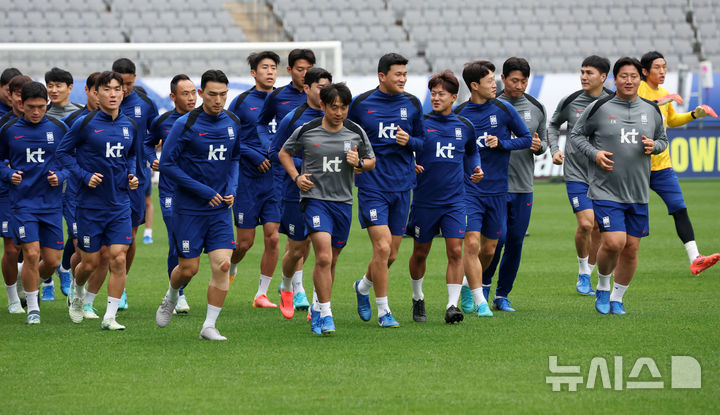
486	293
315	322
48	293
602	301
363	303
616	307
502	304
147	240
64	281
327	325
388	321
583	285
33	318
300	301
123	301
483	310
466	301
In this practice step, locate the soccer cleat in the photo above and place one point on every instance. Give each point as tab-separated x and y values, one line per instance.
15	308
123	301
111	324
701	263
286	304
33	317
89	312
453	315
76	310
182	306
483	310
315	321
64	281
363	303
300	301
147	240
261	301
71	292
502	304
486	292
327	325
164	313
583	285
48	292
388	321
211	333
232	273
617	307
466	301
602	301
418	311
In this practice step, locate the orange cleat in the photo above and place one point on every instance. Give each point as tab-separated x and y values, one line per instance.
286	304
702	263
261	301
231	278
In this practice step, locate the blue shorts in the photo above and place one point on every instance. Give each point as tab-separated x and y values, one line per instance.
43	227
166	206
256	204
631	218
486	214
331	217
665	183
193	233
384	208
5	218
577	194
148	185
98	228
292	221
426	222
69	206
137	207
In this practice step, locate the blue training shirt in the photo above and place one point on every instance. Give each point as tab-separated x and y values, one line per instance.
159	129
141	109
254	148
276	106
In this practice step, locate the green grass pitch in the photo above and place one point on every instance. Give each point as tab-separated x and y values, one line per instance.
271	364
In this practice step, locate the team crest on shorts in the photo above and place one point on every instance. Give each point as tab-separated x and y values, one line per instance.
5	226
50	137
575	202
403	113
86	241
74	226
231	133
373	215
138	111
291	229
316	221
417	231
458	133
168	202
186	246
126	132
606	221
241	217
21	231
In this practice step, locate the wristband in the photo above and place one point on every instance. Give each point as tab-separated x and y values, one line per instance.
692	114
296	177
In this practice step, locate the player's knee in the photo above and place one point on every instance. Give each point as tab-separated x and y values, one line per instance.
52	262
382	250
323	259
187	271
31	254
244	245
272	240
224	265
615	245
585	227
488	249
454	254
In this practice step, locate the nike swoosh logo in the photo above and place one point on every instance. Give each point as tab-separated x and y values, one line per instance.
611	117
202	134
98	131
431	131
315	145
284	102
167	131
529	204
254	108
370	112
17	137
341	242
579	110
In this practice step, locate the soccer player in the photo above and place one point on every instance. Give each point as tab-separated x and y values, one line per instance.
449	154
495	124
29	143
663	179
256	202
201	157
292	223
137	106
393	121
5	77
521	172
593	72
619	132
184	95
99	149
332	149
59	86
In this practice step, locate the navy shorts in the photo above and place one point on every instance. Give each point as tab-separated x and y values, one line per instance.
665	183
486	214
43	227
384	208
166	206
577	194
426	222
137	206
256	204
292	221
331	217
5	218
98	228
195	233
631	218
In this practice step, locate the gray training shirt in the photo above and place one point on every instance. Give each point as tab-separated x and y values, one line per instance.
569	109
61	112
323	155
521	171
615	125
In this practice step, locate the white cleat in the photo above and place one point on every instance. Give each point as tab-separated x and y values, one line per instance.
89	312
164	312
182	306
211	333
111	324
76	310
16	308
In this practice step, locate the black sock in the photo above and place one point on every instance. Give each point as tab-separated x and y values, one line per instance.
683	226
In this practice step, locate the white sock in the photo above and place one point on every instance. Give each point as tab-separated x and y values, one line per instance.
325	309
478	297
618	292
211	316
79	291
583	267
315	299
382	306
453	294
89	298
692	250
48	284
112	307
286	284
12	293
591	268
233	269
148	232
172	294
603	282
465	281
364	285
297	285
62	269
263	285
32	301
417	289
